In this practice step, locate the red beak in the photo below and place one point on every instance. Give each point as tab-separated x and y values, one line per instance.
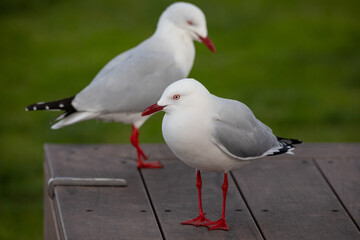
152	109
208	43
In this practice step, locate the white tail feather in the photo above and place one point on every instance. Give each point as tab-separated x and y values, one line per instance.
74	118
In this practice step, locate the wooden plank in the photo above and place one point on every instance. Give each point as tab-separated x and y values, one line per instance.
291	200
101	212
174	197
344	176
310	150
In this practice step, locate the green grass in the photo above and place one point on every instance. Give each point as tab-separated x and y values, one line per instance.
295	63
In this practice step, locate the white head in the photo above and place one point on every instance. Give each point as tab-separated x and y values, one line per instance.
188	18
179	95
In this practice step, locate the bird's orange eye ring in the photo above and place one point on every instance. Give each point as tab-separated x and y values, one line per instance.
176	97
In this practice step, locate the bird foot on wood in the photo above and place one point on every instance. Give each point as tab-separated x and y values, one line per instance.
199	221
217	225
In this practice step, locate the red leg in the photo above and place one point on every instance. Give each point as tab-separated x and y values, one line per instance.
134	139
221	223
201	219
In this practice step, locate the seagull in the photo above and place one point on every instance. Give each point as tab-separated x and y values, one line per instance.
210	133
129	82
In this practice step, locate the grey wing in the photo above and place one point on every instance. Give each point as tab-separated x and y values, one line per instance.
238	133
130	82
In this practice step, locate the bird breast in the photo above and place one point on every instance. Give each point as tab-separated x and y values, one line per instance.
190	139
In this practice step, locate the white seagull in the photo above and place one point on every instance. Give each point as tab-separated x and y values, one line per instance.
129	82
210	133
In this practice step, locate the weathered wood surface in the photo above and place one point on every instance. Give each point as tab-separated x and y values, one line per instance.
174	196
312	195
100	212
343	175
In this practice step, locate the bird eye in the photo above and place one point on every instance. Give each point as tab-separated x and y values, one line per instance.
176	97
190	22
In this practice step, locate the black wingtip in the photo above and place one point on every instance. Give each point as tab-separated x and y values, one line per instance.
32	107
286	145
58	105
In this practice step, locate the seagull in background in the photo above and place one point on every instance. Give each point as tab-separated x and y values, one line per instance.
128	83
210	133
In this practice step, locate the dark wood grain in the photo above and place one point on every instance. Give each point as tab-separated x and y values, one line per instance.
344	177
291	200
174	196
101	212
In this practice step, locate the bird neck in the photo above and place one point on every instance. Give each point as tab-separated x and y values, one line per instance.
179	40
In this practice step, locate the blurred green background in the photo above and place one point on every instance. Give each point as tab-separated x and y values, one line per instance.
296	63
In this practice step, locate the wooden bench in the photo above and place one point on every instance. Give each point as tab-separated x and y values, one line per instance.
312	195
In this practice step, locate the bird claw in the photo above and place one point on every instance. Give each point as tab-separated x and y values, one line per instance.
199	221
217	225
156	164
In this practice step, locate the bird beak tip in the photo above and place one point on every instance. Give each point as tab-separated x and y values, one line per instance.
208	43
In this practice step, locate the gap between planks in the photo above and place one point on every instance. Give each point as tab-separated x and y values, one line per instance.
151	204
335	193
247	206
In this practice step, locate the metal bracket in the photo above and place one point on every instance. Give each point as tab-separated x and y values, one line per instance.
71	181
